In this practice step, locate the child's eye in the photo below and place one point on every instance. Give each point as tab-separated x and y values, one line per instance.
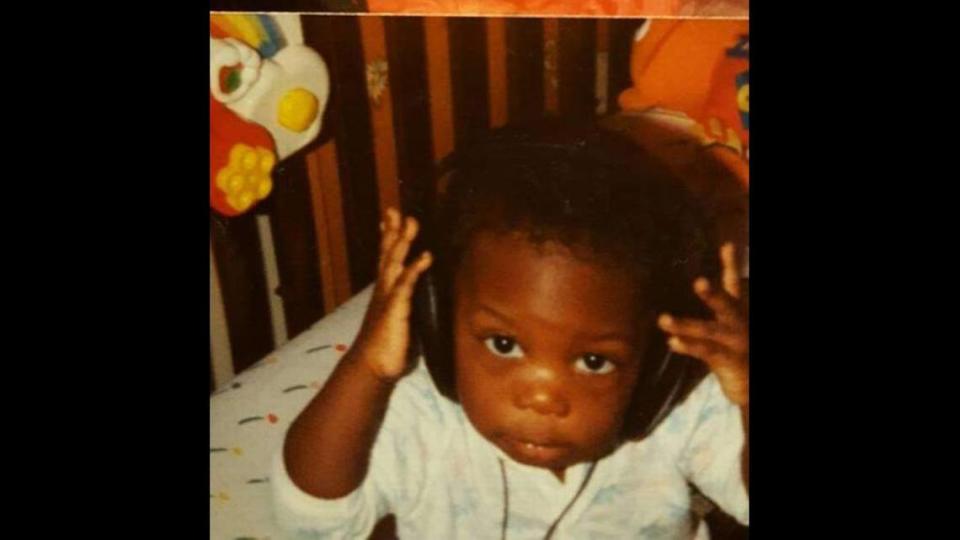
503	346
594	364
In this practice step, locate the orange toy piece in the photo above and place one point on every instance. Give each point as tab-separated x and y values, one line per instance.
700	68
672	65
217	32
242	157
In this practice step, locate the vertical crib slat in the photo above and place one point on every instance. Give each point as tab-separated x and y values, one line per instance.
497	70
221	357
277	314
239	265
380	101
291	221
437	43
576	67
468	70
551	70
525	66
337	39
602	77
620	45
328	225
407	56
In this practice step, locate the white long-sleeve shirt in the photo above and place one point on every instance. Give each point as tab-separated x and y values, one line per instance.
441	479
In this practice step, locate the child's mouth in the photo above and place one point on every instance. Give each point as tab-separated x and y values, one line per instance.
534	452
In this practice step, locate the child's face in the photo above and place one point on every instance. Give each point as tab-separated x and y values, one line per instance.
548	349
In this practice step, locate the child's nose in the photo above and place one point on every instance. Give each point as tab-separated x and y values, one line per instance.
542	392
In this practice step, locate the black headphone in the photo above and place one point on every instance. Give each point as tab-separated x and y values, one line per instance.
662	383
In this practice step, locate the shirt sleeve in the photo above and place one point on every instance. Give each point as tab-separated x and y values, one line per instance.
394	481
711	456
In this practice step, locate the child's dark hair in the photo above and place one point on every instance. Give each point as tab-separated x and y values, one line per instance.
590	190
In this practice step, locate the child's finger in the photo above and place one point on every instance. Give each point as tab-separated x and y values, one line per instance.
730	369
410	229
711	352
403	288
398	252
731	273
388	236
390	231
722	304
693	328
698	329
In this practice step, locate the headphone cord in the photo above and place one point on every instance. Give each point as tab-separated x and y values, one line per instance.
556	522
506	500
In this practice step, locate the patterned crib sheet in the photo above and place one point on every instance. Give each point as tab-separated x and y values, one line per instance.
250	414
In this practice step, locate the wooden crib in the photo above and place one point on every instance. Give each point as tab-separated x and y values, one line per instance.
406	91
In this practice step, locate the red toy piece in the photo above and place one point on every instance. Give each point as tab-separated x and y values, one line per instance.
242	157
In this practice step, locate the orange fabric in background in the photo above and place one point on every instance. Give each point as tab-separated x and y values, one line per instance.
700	68
548	7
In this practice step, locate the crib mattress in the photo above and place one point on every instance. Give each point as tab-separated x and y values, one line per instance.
250	414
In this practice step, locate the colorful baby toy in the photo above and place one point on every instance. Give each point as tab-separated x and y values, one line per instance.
266	103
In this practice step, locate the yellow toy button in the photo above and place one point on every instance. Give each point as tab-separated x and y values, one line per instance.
297	110
240	201
267	160
249	160
235	183
246	199
222	176
264	187
237	153
246	178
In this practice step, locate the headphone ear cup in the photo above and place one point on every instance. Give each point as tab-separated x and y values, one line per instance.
432	329
424	314
432	313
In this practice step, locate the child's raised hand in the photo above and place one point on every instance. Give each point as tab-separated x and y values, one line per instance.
385	334
722	343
